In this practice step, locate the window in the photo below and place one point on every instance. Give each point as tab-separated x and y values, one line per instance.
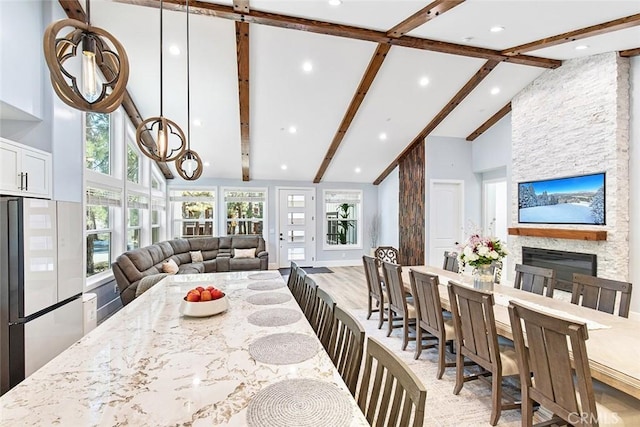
342	225
136	204
98	142
99	229
157	219
245	211
155	183
133	165
193	213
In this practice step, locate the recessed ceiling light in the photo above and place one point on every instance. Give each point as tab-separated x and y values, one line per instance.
335	2
283	167
207	164
423	81
496	29
307	66
582	47
358	170
292	129
174	50
495	90
197	122
382	136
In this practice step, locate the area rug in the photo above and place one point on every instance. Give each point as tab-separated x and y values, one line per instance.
308	270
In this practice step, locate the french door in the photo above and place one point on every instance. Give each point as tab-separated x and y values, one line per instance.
296	226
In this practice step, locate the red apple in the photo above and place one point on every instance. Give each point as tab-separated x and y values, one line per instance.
200	289
205	295
210	288
216	294
193	297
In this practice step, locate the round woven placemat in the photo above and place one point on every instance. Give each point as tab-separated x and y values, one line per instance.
274	317
266	286
300	402
284	349
263	276
268	298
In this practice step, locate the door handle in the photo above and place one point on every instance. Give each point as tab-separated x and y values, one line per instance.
21	181
26	181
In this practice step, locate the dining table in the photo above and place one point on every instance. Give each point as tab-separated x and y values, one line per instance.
259	363
613	346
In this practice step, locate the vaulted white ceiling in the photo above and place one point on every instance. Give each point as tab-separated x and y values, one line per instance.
283	95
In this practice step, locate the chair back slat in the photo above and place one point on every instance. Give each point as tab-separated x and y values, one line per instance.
299	285
322	318
309	298
424	288
401	390
293	272
346	346
451	262
395	290
538	280
372	274
601	294
387	254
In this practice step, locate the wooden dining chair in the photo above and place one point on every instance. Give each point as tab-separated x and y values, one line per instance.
600	294
299	285
547	377
307	302
374	288
398	309
538	280
426	299
386	254
293	272
477	340
322	316
388	385
346	346
451	262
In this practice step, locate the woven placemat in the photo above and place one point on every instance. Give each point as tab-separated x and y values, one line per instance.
284	349
266	286
274	317
263	276
268	298
300	402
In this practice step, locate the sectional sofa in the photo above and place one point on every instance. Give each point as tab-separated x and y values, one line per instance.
138	269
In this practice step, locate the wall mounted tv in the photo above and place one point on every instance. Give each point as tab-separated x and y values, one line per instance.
571	200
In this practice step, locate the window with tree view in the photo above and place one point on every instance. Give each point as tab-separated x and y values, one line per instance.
98	142
245	211
133	165
193	213
342	217
99	229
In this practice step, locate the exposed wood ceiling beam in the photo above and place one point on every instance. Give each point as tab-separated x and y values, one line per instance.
242	52
451	105
372	70
322	27
74	10
492	121
422	16
594	30
630	52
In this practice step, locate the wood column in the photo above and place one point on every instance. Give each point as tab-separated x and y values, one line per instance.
412	206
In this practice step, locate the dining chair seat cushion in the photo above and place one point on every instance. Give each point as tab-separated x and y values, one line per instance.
411	310
449	330
614	407
509	361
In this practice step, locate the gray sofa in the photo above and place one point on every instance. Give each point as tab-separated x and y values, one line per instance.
144	265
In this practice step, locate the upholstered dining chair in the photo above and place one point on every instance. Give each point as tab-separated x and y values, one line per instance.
387	254
374	288
346	347
538	280
600	294
477	340
380	400
426	299
547	377
322	316
451	262
398	309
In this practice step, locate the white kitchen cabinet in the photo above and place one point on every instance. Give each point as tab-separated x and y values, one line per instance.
24	171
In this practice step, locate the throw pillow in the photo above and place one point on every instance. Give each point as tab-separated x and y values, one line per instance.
170	267
196	256
244	253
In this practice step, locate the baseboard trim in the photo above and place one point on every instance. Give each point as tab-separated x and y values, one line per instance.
338	263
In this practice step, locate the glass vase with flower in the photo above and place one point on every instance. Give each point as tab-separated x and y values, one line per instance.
482	253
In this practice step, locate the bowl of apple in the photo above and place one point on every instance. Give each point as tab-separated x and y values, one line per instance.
203	302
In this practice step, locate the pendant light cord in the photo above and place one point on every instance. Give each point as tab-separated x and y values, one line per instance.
188	88
161	68
88	7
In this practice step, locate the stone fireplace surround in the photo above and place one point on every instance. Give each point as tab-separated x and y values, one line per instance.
570	121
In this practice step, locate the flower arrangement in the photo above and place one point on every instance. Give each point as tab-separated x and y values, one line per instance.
478	251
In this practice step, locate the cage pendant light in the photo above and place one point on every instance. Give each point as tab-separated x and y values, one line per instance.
169	143
97	50
189	164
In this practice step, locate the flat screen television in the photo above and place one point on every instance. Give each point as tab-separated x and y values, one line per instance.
570	200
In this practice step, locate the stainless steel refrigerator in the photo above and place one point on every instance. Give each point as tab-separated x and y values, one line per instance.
41	283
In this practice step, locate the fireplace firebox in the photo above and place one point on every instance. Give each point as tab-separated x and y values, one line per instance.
564	263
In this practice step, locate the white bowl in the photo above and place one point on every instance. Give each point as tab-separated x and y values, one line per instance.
204	308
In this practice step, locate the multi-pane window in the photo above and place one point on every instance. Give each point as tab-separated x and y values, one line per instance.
157	218
99	228
245	211
136	207
133	165
193	213
98	142
342	210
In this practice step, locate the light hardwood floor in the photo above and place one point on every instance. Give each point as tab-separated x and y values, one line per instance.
347	286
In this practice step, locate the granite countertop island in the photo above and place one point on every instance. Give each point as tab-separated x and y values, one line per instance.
149	365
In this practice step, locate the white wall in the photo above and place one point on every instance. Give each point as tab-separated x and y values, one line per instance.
388	202
634	187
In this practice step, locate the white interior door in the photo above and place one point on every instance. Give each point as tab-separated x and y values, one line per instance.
296	226
446	213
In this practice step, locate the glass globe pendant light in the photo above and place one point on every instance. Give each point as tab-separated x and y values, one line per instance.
189	164
93	47
170	140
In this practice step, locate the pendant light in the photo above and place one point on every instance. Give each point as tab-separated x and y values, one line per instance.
189	164
93	46
170	141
